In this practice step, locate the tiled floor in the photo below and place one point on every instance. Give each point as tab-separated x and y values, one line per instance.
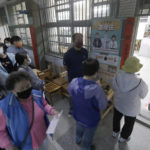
65	132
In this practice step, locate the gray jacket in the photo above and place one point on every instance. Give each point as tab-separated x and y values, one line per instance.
36	82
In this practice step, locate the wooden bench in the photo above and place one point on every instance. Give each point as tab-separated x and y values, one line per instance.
47	75
52	89
63	82
110	98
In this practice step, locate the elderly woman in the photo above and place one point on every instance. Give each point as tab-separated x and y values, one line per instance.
129	90
23	115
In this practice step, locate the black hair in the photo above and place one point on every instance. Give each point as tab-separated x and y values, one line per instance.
97	33
15	78
90	66
113	36
75	35
4	48
20	57
7	39
15	39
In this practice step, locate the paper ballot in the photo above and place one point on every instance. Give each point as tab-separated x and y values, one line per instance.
53	124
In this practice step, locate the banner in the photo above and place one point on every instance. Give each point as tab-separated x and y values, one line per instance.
129	24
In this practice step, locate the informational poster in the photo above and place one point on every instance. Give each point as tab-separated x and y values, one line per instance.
107	72
108	65
108	59
106	36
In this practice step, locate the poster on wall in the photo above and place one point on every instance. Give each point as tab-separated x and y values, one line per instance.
108	65
108	59
107	72
106	36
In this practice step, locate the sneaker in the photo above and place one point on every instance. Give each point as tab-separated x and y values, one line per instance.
78	143
115	134
122	140
93	147
70	114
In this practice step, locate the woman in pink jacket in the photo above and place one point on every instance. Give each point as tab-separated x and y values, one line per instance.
22	115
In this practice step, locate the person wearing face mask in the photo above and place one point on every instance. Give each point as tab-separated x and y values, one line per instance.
7	42
16	45
129	89
7	62
22	64
23	115
73	59
89	100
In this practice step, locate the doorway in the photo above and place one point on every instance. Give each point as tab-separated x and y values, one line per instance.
142	51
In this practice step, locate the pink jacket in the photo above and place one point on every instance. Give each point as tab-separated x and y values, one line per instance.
38	131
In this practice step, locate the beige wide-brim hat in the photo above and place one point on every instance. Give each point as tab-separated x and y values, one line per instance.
132	65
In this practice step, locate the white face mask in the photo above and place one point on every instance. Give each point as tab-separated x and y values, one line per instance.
8	44
1	50
29	61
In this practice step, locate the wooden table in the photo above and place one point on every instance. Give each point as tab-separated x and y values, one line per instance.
36	71
59	81
65	89
52	88
47	75
64	85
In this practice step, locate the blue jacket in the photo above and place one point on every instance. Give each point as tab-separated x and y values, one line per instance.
14	50
88	99
3	72
17	119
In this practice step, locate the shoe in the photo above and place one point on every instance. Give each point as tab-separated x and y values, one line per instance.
70	114
78	143
115	134
93	147
122	140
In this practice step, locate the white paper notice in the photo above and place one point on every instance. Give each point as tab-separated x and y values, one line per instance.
53	124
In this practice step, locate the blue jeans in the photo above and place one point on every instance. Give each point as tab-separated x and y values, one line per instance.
87	134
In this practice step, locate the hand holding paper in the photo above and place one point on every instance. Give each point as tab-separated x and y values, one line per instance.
53	124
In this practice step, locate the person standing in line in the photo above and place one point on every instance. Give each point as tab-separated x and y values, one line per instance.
88	100
7	62
129	89
73	59
23	115
7	42
16	45
22	64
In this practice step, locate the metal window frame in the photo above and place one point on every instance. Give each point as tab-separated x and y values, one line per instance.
72	23
17	26
141	5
